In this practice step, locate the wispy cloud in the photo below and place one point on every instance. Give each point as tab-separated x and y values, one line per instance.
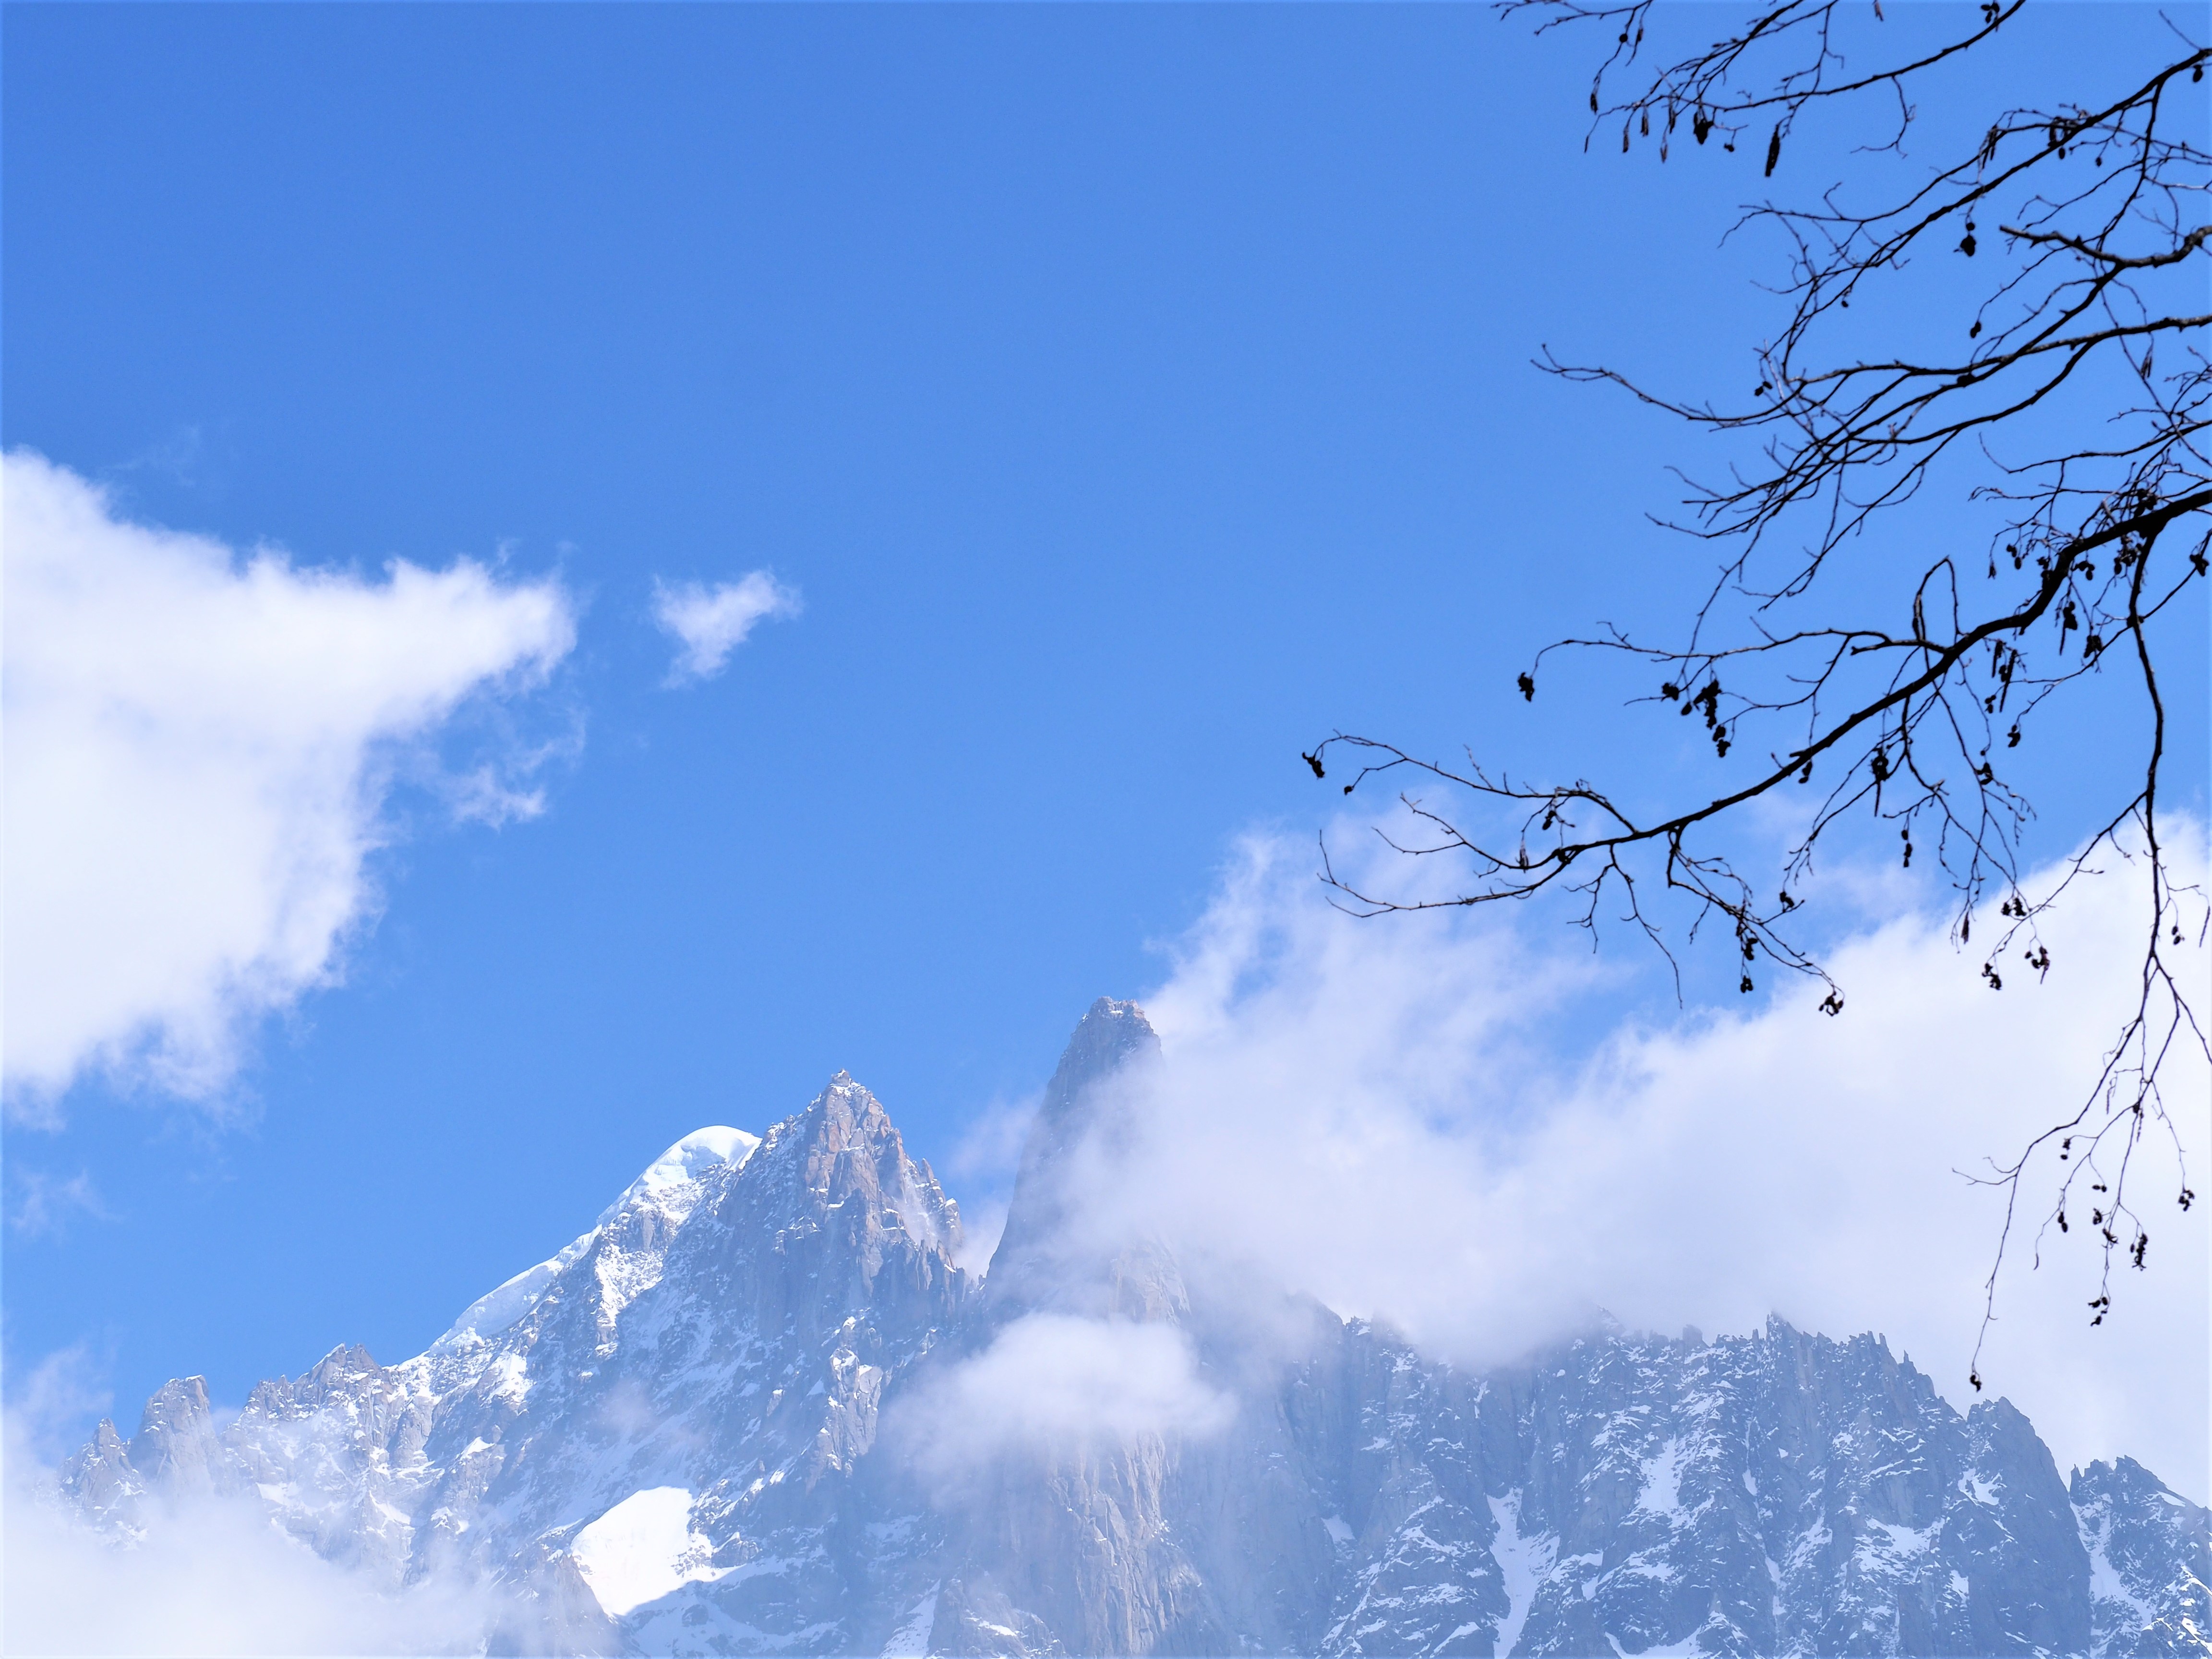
707	623
48	1406
199	748
41	1202
984	1162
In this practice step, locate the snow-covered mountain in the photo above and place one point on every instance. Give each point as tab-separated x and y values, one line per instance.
727	1420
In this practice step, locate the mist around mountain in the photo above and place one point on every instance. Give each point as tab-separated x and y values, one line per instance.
759	1408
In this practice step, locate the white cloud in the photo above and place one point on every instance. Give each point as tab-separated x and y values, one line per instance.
710	623
210	1575
1355	1109
1054	1380
215	1577
199	746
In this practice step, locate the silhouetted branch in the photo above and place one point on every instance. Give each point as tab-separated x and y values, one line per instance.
2095	267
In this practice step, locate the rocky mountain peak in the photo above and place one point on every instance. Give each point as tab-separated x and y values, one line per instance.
173	1436
1109	1035
1086	1102
99	1480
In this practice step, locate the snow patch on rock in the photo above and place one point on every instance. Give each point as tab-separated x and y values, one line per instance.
642	1549
1663	1481
911	1639
1521	1564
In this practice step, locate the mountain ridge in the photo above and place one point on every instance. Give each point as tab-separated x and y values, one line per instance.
697	1435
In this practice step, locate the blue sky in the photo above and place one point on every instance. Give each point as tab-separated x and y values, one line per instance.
1135	396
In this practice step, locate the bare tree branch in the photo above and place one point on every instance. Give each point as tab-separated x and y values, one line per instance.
2096	265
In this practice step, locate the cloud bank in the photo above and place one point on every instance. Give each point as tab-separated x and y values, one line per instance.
199	744
1354	1110
1055	1381
206	1574
707	623
216	1579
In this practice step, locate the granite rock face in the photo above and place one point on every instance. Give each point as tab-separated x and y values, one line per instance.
692	1431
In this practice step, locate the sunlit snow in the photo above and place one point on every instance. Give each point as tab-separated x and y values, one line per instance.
641	1549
